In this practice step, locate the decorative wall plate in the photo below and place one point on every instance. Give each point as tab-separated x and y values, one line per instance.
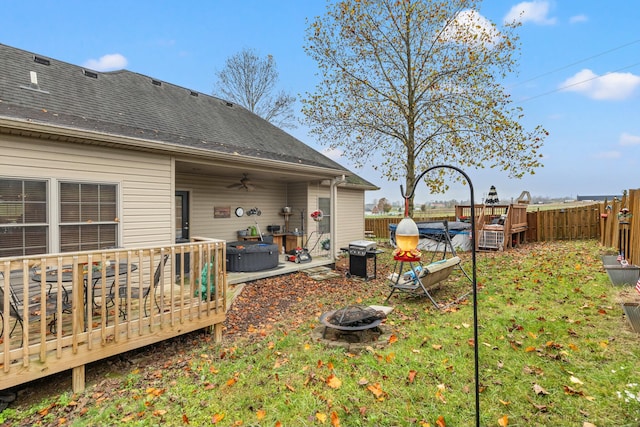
239	212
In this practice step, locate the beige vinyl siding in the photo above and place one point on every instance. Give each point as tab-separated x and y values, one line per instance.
144	181
297	197
350	221
209	192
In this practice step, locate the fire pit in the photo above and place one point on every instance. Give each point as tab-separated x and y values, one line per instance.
352	324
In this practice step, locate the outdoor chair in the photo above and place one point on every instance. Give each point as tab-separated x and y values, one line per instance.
35	307
422	279
135	292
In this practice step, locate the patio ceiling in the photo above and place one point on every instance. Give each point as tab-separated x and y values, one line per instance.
258	170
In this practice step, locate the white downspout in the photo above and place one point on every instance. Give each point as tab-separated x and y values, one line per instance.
334	214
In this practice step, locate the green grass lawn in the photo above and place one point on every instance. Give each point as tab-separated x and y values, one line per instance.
555	350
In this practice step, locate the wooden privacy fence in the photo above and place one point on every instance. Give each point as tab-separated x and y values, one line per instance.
583	222
622	233
576	223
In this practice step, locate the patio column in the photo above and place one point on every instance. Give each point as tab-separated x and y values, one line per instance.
333	198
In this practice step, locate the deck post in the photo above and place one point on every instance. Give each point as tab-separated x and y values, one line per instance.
77	379
217	332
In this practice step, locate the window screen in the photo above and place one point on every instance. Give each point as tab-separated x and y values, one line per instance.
23	217
88	218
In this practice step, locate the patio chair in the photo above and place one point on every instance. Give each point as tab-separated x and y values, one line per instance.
135	292
16	308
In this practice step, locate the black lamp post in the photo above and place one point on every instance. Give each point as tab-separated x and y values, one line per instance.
473	273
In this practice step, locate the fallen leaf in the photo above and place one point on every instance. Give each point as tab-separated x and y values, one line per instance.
335	420
572	391
412	376
217	418
260	414
333	381
437	346
231	381
377	391
321	417
393	338
440	422
503	421
539	390
575	380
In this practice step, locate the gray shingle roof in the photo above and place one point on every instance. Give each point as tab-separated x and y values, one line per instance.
129	104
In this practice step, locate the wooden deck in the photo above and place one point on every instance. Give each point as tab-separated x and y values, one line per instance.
136	297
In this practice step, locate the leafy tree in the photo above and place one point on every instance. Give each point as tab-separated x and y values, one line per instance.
414	83
250	81
384	205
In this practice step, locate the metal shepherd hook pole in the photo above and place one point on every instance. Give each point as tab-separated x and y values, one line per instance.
473	275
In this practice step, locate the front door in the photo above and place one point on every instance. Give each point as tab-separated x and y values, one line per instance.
182	216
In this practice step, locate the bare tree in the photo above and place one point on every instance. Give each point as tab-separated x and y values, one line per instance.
250	81
416	83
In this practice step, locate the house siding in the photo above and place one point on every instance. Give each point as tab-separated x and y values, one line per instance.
350	225
297	199
207	193
144	180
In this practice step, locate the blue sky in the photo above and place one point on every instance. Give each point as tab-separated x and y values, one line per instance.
579	71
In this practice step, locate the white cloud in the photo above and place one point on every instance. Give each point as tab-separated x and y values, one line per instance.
333	153
578	18
628	139
530	11
607	155
611	86
113	61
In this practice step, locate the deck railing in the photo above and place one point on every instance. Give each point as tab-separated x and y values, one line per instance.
62	311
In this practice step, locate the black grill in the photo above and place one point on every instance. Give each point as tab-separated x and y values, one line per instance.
362	258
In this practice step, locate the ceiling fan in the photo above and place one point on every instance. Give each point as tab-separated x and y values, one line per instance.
244	184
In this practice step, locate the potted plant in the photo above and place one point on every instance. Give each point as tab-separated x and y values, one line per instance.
326	244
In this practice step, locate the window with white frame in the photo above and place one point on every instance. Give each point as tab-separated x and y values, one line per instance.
88	216
324	204
24	228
